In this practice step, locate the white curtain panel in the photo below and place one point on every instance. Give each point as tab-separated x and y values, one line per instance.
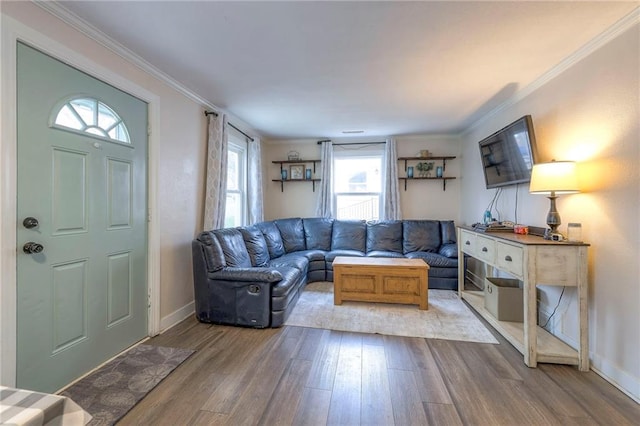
254	184
325	190
391	188
216	185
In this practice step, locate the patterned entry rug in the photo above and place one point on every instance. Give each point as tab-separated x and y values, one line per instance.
111	391
447	317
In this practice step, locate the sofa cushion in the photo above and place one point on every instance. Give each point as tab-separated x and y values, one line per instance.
292	234
421	235
317	233
212	252
384	236
256	245
449	250
291	260
233	247
313	255
448	229
273	239
335	253
434	260
349	235
384	253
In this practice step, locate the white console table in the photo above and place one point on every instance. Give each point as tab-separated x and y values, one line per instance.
535	261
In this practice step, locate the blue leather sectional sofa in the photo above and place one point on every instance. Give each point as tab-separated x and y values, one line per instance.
252	276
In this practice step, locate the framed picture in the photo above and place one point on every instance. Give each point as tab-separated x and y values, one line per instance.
296	171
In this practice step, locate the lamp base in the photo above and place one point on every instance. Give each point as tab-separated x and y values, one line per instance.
550	234
553	220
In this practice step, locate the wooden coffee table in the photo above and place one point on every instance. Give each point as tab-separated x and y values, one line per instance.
380	279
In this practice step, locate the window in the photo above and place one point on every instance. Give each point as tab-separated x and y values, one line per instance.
88	115
358	185
236	207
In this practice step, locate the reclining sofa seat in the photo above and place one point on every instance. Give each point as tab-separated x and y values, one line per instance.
252	276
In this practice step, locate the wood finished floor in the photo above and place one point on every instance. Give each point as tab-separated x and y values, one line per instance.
305	376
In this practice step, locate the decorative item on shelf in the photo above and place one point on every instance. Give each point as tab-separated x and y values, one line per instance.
550	179
307	174
439	171
293	156
425	168
284	174
296	171
410	171
424	153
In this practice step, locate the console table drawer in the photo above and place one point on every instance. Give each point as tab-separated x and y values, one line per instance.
468	242
486	249
509	258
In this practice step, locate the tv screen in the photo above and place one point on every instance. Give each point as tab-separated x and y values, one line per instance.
509	154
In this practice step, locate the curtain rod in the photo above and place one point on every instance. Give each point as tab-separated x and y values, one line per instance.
215	114
351	143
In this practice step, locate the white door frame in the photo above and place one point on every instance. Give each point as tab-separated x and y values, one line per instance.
12	31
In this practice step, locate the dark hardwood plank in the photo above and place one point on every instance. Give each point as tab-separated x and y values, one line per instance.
265	376
441	414
304	376
284	403
601	401
430	383
346	396
311	343
376	408
323	372
407	403
313	408
397	351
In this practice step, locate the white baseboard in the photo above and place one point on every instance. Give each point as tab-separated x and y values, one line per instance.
622	380
176	316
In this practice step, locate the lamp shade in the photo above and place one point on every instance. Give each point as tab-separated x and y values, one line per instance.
557	176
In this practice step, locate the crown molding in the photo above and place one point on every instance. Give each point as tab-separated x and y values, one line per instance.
104	40
625	23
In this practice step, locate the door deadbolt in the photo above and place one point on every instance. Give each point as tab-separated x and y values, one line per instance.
32	248
30	222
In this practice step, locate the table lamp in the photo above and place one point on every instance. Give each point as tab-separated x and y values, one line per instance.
551	179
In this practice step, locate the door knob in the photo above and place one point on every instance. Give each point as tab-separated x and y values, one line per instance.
30	222
32	248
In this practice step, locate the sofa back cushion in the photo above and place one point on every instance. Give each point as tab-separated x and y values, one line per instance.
384	236
349	235
256	245
448	233
448	229
272	237
292	234
213	255
233	247
317	233
421	235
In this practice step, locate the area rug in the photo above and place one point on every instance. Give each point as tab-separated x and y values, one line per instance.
115	388
447	317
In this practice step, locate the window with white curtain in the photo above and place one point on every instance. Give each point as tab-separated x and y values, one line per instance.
236	207
357	183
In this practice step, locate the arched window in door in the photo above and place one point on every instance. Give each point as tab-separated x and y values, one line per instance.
89	115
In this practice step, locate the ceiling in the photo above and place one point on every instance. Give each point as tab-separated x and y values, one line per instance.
316	69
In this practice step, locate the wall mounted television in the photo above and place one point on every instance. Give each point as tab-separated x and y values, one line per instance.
508	155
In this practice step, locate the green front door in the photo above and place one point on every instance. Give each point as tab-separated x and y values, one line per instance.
82	228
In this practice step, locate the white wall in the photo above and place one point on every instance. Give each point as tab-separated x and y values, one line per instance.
588	113
422	200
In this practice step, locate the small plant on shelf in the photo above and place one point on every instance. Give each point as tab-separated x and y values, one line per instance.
424	169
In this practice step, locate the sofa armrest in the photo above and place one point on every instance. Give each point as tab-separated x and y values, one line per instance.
449	250
245	275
